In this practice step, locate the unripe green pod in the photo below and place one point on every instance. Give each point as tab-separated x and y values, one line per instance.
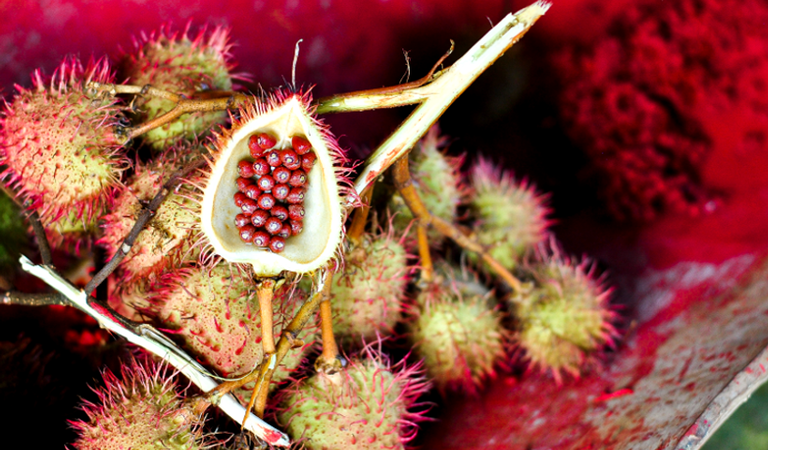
365	406
59	147
144	409
510	217
456	330
564	318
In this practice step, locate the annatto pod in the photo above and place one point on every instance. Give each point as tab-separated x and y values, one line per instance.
280	160
565	318
144	409
58	144
367	405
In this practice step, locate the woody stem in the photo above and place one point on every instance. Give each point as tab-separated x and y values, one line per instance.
404	184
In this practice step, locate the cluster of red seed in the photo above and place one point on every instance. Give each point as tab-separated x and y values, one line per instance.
272	191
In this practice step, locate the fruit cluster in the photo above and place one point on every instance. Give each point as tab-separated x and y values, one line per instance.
272	191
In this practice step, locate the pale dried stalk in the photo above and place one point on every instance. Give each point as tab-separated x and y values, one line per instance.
158	344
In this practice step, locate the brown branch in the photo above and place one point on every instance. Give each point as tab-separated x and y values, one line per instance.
404	184
287	341
26	299
328	362
144	217
360	216
425	260
41	238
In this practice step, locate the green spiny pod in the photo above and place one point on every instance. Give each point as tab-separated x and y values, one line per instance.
510	217
182	65
456	330
143	409
437	180
368	293
168	240
564	318
217	314
59	146
367	405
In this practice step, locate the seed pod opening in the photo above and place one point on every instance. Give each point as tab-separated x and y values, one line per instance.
285	123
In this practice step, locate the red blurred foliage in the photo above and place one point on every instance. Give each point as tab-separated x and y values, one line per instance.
668	85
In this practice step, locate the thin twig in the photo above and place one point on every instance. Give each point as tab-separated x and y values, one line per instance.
328	361
41	237
360	216
26	299
144	217
405	185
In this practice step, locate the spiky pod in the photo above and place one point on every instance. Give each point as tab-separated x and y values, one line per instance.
365	406
565	317
216	312
183	65
144	409
456	330
58	144
368	293
169	237
510	217
437	180
284	119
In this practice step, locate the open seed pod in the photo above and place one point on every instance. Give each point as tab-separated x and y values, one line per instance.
300	226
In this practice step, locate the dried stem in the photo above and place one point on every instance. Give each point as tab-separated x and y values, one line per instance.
328	361
41	238
288	340
425	260
203	101
26	299
436	96
144	217
265	293
360	215
405	185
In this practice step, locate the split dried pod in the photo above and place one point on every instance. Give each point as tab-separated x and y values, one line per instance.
284	121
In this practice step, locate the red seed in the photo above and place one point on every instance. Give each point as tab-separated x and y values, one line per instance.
241	220
266	201
289	159
256	151
246	169
298	178
297	227
297	212
259	218
247	232
273	225
252	191
286	231
260	166
266	141
266	183
277	244
301	145
296	195
308	161
239	198
281	175
261	238
280	191
249	206
280	212
243	182
273	158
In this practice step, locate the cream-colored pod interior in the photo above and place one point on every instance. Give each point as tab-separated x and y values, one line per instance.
322	227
